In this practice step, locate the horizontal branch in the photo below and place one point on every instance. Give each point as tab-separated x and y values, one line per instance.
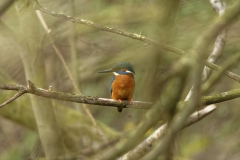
218	98
32	89
136	36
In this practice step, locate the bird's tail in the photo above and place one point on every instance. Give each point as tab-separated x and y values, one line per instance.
119	109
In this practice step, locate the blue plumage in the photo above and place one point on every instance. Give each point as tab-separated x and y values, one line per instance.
112	79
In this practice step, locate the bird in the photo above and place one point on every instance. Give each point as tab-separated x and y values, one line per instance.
122	84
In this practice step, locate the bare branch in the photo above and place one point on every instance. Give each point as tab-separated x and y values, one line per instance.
146	145
32	89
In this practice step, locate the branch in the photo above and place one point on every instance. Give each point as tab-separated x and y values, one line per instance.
216	77
227	73
217	98
146	145
32	89
136	36
198	51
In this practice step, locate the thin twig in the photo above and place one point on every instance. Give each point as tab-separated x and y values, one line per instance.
230	62
227	73
13	98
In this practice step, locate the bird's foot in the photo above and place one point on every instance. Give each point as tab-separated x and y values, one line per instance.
131	101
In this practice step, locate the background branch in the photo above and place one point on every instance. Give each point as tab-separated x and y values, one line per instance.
136	36
143	148
198	53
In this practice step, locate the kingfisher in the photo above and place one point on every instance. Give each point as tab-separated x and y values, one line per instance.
122	84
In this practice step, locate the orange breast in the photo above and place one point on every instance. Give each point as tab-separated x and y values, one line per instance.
123	87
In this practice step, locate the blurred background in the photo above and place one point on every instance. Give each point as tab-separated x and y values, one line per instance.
88	50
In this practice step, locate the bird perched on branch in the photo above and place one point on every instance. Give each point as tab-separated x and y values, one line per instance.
122	83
